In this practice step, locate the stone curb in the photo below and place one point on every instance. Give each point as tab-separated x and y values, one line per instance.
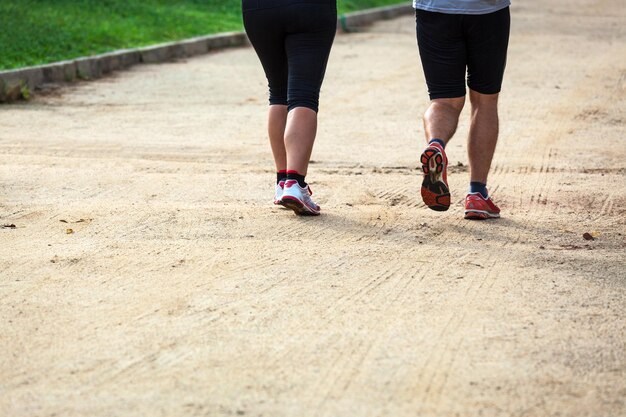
351	21
20	83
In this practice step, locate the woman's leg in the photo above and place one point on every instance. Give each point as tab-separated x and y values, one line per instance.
267	35
276	123
307	53
299	138
308	47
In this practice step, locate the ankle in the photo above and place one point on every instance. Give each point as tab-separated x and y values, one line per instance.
295	175
479	187
438	141
281	175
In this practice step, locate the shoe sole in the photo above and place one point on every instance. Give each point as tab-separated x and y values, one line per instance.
280	205
480	215
435	191
297	206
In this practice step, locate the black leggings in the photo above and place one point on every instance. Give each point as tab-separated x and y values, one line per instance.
292	39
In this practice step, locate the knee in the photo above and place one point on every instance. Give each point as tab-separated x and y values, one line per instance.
278	95
304	96
307	102
445	106
483	101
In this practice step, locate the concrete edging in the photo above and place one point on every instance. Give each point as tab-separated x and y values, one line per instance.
20	83
350	21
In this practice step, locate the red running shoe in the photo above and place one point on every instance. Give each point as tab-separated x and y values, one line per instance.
479	208
435	191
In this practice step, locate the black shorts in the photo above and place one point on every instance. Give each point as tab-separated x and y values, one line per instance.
450	44
293	39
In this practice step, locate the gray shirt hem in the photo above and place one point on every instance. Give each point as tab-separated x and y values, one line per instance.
461	11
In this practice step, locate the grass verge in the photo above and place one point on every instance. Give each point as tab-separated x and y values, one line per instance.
36	32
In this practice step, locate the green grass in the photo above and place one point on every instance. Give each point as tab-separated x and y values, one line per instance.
41	31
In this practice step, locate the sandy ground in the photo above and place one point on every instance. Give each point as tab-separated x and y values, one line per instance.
183	292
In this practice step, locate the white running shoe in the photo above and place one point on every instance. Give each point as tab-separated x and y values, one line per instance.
279	192
299	199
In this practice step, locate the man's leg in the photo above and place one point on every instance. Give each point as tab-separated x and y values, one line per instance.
442	117
440	122
487	45
444	57
483	134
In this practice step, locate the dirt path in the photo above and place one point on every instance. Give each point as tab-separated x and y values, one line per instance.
182	291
